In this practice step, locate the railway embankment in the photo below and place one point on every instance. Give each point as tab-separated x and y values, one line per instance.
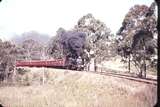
45	87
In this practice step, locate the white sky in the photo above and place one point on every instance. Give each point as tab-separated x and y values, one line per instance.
46	16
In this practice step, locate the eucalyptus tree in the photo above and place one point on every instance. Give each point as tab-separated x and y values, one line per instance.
138	35
8	53
99	36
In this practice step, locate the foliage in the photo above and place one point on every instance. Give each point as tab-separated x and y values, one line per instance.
22	71
99	36
8	53
54	47
138	33
33	50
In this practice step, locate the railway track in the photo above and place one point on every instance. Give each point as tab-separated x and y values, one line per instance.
129	77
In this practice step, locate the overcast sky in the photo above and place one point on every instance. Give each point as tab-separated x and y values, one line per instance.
46	16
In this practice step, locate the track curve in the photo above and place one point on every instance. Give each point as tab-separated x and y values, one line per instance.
129	77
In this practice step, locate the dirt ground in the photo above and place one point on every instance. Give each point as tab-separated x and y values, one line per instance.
43	87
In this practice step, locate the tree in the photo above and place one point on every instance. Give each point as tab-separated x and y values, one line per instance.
8	53
137	31
33	45
99	37
33	49
54	47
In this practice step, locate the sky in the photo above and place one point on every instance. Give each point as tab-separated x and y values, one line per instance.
46	16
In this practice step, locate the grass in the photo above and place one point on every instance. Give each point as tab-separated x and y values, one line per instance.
60	88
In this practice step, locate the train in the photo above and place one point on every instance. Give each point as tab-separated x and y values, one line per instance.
72	64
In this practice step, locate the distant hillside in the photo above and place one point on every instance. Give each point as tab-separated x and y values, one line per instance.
41	38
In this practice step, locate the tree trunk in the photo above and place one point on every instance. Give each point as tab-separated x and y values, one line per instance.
144	67
6	73
141	70
129	64
144	60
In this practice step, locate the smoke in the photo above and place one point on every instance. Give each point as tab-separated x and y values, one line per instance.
73	43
